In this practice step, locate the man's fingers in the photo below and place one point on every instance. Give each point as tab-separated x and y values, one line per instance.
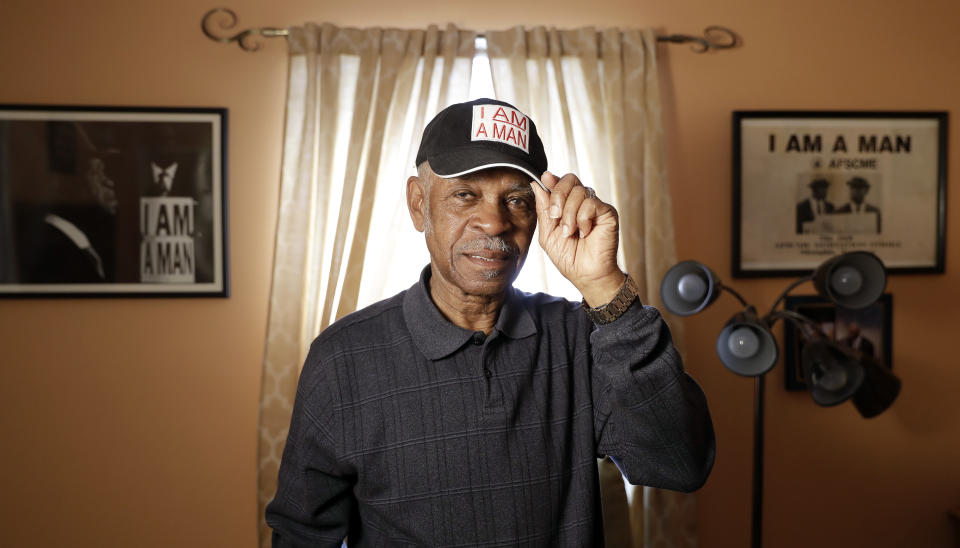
587	216
569	206
560	192
543	207
558	196
571	210
549	180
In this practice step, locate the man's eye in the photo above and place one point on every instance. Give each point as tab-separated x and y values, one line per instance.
518	202
464	194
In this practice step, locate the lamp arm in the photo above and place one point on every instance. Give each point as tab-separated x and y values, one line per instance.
789	288
733	292
807	327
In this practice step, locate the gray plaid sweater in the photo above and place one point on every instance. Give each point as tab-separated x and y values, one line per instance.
410	431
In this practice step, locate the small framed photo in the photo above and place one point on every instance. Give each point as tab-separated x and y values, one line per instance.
810	185
868	330
112	201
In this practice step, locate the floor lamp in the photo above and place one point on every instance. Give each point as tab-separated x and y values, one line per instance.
835	373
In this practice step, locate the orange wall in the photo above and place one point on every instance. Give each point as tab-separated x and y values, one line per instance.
115	436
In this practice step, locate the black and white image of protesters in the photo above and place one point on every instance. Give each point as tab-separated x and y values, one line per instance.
859	187
816	205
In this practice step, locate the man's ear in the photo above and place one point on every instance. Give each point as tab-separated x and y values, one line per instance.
416	202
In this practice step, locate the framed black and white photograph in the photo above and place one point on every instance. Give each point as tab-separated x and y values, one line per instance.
868	330
810	185
112	201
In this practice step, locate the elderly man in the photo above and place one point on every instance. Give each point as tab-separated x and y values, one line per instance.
465	412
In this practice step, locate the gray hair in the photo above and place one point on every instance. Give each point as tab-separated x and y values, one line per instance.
427	176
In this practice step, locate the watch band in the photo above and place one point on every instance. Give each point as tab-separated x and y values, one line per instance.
609	312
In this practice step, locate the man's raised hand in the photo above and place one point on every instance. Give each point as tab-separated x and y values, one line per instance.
580	233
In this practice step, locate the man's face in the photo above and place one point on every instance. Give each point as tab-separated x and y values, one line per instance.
100	185
478	228
857	193
819	191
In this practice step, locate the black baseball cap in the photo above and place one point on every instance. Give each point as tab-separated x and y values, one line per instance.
482	134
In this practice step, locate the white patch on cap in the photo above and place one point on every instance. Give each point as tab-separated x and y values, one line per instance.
501	124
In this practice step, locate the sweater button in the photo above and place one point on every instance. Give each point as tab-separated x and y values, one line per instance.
478	338
487	373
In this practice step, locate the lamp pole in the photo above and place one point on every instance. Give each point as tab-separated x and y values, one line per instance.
756	520
747	346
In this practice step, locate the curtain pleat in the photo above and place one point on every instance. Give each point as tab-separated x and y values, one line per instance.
391	60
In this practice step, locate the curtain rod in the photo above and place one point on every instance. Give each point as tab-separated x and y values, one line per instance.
714	37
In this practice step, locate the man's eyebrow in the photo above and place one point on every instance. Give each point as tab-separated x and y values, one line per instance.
521	187
516	186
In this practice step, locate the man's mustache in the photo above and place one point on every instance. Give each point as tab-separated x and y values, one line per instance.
490	243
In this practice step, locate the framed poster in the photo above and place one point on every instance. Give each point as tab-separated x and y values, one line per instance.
112	201
810	185
868	330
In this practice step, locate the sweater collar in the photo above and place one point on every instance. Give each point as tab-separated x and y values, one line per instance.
437	337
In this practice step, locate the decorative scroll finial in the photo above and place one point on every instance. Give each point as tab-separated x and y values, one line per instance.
227	19
714	37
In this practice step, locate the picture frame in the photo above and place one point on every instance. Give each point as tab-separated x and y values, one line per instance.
808	185
104	201
874	325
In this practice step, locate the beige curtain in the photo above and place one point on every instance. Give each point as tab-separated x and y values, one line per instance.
595	98
356	100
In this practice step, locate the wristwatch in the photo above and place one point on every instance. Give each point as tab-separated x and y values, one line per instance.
609	312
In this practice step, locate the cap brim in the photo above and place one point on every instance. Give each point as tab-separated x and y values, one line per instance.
459	163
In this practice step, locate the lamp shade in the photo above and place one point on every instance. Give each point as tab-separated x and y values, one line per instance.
853	280
746	346
880	388
689	287
832	375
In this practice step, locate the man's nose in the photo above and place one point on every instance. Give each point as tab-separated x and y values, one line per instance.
492	218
